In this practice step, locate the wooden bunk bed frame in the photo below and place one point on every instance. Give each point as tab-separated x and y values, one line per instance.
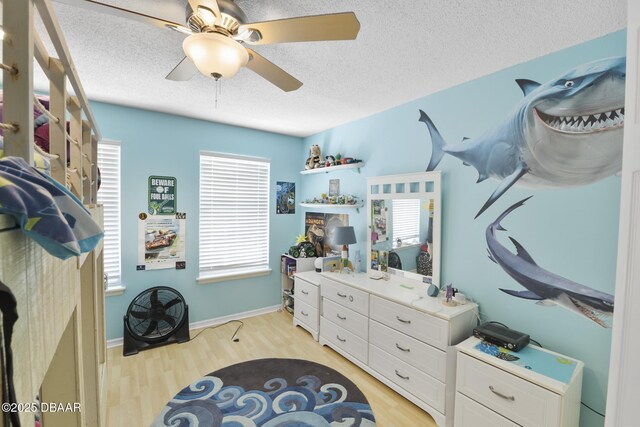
59	346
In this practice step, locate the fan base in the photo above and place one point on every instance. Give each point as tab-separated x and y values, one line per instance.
131	345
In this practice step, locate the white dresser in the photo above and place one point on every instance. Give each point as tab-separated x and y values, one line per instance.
394	331
541	389
306	311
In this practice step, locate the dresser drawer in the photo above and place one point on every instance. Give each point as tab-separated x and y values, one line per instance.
470	413
343	339
306	314
348	319
306	292
416	353
419	325
347	296
416	382
519	400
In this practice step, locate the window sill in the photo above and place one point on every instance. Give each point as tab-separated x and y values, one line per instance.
115	290
203	280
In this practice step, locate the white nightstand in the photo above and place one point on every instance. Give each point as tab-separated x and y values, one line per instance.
541	389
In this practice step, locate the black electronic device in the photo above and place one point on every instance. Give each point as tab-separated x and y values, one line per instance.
501	336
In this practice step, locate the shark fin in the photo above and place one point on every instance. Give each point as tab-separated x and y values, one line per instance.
491	256
437	142
523	294
527	86
522	252
546	303
503	187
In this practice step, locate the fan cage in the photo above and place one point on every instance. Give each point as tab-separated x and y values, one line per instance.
156	314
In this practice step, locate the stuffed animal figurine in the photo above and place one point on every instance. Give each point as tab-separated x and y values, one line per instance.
315	158
330	160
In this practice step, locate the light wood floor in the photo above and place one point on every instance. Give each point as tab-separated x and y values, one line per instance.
139	386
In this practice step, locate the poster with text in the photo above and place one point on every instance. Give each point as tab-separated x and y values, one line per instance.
162	195
314	230
161	242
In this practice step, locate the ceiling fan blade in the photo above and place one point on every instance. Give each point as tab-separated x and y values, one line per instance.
271	72
210	5
185	70
124	13
336	26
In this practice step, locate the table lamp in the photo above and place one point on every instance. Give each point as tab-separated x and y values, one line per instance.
344	236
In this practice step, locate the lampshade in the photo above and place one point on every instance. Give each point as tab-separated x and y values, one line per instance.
215	55
344	235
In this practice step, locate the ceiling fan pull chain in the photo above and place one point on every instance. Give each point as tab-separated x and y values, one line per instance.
217	93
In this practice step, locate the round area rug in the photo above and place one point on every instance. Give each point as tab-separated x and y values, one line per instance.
269	393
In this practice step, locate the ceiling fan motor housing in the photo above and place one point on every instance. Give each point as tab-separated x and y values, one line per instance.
232	17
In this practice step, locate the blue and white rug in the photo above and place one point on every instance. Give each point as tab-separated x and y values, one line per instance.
269	393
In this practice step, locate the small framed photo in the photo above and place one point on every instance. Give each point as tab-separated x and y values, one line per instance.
334	187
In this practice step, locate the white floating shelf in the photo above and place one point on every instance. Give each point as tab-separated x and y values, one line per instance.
333	168
332	206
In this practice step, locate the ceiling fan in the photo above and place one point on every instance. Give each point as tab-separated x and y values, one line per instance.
218	33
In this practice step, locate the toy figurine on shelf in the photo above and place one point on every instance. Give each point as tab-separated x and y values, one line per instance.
448	300
315	158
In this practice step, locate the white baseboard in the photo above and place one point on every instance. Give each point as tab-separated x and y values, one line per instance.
212	322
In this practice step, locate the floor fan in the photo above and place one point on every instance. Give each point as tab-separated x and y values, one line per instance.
157	316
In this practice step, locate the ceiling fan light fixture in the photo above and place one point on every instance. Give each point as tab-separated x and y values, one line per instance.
215	54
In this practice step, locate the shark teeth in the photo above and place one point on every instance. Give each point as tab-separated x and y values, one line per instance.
584	123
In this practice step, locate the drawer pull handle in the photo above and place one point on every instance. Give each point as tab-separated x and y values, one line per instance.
493	390
341	339
341	317
406	350
401	376
408	322
342	295
305	292
303	313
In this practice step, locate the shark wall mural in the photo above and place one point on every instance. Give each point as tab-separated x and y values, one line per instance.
541	285
566	132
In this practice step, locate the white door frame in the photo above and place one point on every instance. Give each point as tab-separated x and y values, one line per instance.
624	370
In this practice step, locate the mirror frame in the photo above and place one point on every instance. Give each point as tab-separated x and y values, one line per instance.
428	187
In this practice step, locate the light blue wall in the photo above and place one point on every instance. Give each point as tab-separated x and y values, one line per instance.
161	144
572	232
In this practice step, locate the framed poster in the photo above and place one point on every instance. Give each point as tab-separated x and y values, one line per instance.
162	195
285	198
334	187
161	241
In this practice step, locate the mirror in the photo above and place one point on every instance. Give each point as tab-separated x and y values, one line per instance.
404	225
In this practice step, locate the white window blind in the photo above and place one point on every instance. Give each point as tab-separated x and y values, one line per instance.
109	197
406	219
234	215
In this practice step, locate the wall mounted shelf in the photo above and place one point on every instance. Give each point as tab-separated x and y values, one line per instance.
355	206
333	168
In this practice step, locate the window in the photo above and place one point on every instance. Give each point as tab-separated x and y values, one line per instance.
234	216
109	197
406	220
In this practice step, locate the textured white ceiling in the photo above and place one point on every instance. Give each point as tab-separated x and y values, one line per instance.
405	50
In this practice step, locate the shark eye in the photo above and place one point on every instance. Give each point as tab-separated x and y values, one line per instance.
568	83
